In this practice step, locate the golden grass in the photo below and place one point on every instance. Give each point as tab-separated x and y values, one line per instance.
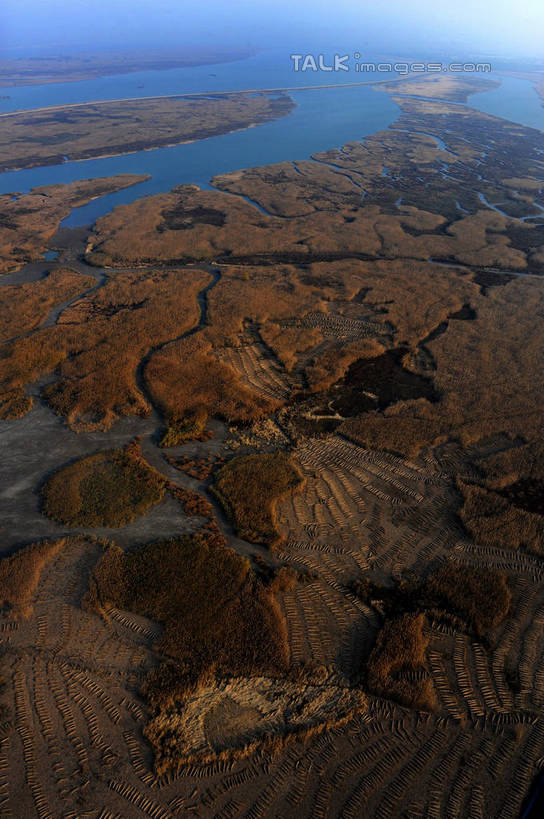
108	489
25	306
20	574
14	404
249	489
288	344
99	342
189	385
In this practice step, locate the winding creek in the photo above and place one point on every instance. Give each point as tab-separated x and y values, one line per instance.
40	443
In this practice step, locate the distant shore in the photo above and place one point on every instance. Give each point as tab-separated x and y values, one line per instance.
57	69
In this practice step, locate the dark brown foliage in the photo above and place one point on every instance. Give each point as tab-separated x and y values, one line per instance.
249	488
479	596
217	615
20	573
396	658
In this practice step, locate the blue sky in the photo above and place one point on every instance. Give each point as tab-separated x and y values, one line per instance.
407	27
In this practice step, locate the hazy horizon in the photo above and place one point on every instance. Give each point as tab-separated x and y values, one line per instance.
477	29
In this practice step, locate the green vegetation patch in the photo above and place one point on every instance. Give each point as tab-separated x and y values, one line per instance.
217	614
249	488
109	489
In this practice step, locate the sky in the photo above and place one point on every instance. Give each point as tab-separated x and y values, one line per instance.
412	28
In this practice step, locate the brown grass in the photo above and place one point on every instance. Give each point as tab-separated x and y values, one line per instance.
108	489
20	574
289	344
210	388
404	429
448	87
474	599
321	207
99	342
218	616
249	489
25	306
198	468
329	367
29	221
35	138
14	404
491	520
481	597
399	653
193	504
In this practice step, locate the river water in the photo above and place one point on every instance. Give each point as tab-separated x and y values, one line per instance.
324	118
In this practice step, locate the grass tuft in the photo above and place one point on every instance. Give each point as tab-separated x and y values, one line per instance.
108	489
249	488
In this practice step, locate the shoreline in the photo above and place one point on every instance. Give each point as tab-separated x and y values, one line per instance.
127	153
201	94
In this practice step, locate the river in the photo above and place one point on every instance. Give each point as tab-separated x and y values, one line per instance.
324	118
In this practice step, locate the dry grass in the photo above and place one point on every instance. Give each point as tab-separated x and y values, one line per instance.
29	221
210	388
329	367
404	429
504	507
288	344
20	575
492	520
320	202
217	615
14	404
108	489
475	599
469	598
108	128
25	306
481	597
396	658
193	504
249	489
99	342
448	87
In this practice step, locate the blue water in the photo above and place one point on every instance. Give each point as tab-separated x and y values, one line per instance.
268	69
323	119
516	100
50	255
